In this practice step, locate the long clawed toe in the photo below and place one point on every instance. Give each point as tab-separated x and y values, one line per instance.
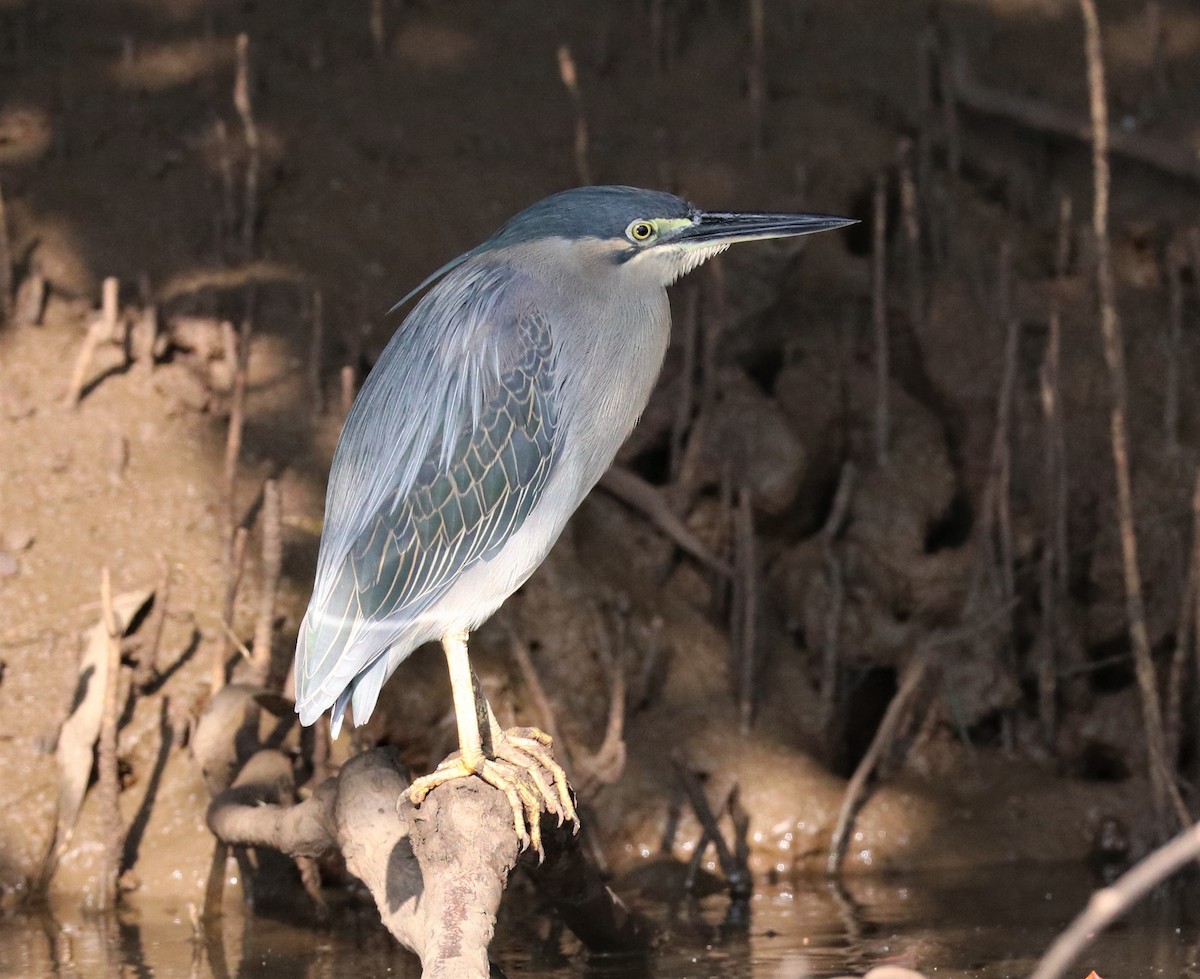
536	744
516	769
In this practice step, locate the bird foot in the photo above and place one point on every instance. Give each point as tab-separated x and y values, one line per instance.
522	757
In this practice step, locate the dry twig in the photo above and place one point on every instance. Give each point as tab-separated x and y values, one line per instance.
995	518
889	728
737	874
378	30
75	752
910	214
1173	712
756	76
108	785
147	660
237	412
1166	792
226	218
347	389
885	734
879	317
746	634
570	80
1063	239
1109	903
1174	349
245	110
1168	157
837	587
272	560
546	713
6	266
631	489
233	580
316	353
99	331
685	403
1052	590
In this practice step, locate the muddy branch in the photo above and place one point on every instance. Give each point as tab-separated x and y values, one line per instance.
436	872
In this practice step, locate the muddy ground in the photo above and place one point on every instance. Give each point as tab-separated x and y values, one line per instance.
385	153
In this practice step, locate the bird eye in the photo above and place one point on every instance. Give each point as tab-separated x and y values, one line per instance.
640	231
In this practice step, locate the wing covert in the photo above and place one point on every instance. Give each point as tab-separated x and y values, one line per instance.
476	484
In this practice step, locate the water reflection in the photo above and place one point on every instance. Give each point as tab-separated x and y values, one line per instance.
989	926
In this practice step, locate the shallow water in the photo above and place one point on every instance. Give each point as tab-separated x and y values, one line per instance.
990	927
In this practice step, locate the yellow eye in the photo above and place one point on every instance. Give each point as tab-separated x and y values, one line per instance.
640	231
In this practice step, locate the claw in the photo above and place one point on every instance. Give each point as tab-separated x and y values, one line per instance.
516	770
537	744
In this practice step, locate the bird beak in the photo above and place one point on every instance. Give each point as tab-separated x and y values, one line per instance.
711	228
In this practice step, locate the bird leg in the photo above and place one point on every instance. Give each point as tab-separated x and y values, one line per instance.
511	761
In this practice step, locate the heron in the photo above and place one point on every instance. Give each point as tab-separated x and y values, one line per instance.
493	410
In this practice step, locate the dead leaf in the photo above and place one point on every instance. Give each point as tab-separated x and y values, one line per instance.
75	753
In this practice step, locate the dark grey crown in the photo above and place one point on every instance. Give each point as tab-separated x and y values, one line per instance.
588	212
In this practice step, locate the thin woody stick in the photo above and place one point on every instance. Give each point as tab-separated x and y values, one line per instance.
237	411
241	101
1062	248
1157	36
346	387
949	110
108	783
272	559
716	317
747	634
147	662
1053	555
316	352
879	318
1173	158
378	30
1165	789
1193	245
1109	903
687	372
223	649
994	516
227	216
1173	712
570	80
1174	347
6	266
100	331
911	220
655	32
756	82
836	577
910	683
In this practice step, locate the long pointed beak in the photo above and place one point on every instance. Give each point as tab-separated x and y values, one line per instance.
712	228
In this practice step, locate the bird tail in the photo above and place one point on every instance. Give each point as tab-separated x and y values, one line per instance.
331	673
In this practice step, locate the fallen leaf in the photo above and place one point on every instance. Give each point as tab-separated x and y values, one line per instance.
75	753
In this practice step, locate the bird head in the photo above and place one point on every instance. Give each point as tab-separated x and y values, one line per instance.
650	232
654	234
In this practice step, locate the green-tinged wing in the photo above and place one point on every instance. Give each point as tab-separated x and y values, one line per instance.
469	494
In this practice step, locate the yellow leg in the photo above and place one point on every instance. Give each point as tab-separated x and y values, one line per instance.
471	711
512	762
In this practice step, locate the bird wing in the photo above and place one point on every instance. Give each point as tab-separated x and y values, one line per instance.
444	454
